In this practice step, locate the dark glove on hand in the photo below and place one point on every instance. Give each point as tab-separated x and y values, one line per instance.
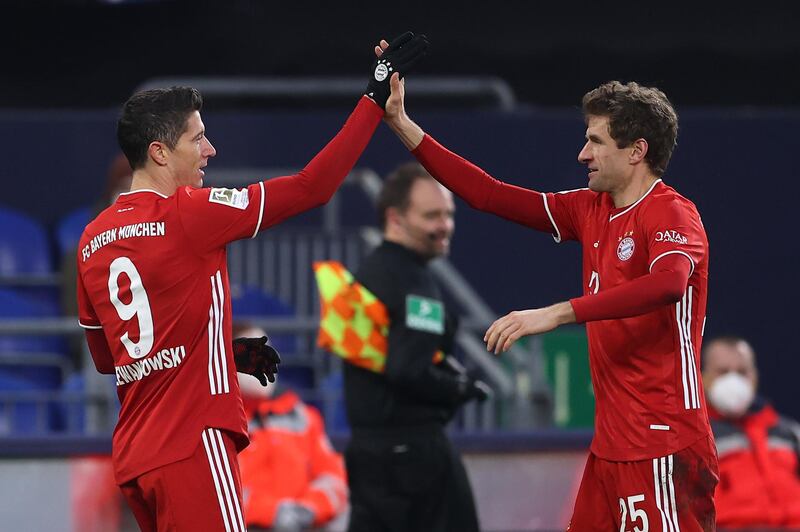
474	389
401	56
257	357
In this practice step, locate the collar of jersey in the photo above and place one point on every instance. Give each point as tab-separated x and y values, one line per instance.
637	202
143	190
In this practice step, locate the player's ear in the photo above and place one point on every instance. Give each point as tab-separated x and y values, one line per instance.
158	153
638	151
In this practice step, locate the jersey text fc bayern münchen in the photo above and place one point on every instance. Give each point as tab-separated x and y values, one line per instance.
153	276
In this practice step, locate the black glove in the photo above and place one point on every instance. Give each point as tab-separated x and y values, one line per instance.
474	389
401	56
257	357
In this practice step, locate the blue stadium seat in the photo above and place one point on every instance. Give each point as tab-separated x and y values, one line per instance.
252	301
15	305
24	246
298	377
26	415
71	415
70	227
25	251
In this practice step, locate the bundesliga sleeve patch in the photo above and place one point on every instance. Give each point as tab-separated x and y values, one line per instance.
238	199
424	314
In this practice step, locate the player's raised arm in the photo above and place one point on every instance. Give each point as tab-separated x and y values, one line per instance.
479	189
317	182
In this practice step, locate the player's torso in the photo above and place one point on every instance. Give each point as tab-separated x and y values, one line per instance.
164	310
150	289
645	369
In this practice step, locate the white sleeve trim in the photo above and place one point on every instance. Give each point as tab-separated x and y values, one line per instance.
260	210
90	326
557	236
670	253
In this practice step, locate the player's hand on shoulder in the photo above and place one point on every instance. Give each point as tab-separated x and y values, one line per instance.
257	357
396	57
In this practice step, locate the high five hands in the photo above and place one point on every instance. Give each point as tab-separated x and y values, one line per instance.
394	60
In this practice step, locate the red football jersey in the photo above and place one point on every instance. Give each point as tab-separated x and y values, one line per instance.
153	275
645	369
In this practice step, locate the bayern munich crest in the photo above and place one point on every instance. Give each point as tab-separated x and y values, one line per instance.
381	71
625	248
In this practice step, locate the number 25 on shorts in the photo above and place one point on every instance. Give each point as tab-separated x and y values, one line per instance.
638	517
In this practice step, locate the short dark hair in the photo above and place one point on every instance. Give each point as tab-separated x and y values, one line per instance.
636	112
396	191
155	115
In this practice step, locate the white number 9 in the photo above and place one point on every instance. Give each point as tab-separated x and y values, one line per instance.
139	306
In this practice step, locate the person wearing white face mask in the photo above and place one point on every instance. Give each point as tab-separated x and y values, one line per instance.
759	450
292	478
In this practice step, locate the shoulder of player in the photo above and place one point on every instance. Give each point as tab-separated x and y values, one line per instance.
190	193
664	197
215	197
100	223
585	194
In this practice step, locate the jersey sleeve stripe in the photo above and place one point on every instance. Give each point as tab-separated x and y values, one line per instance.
683	310
217	375
678	317
571	190
211	346
557	236
690	350
686	317
217	349
260	209
671	253
93	327
221	336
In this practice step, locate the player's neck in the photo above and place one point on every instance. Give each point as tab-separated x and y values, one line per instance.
634	191
144	180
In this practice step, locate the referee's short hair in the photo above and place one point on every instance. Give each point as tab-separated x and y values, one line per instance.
396	191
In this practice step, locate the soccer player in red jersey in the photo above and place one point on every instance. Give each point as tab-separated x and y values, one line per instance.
652	464
153	296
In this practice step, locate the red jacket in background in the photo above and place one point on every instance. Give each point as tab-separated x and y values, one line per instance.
758	469
290	458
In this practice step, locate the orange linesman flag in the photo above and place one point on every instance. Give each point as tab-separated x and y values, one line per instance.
354	324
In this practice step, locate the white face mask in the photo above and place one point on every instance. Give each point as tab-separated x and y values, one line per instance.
250	387
731	394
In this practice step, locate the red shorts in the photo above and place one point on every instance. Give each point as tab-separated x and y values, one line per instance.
202	492
672	493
